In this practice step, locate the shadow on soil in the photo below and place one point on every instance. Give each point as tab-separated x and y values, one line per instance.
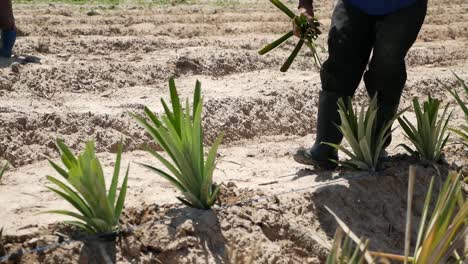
205	224
20	59
374	207
176	237
294	228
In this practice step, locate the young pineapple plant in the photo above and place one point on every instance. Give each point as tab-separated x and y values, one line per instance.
3	169
444	231
447	227
84	187
345	251
347	247
429	136
440	233
462	131
361	133
2	247
180	134
309	33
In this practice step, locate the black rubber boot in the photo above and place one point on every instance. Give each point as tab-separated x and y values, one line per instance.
7	43
320	155
385	113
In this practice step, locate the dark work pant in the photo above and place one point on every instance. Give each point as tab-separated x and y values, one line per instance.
7	20
354	35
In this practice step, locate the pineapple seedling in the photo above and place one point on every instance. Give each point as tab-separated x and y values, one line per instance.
309	33
351	250
445	230
429	135
462	131
2	247
3	170
345	251
85	189
361	134
448	226
439	235
179	133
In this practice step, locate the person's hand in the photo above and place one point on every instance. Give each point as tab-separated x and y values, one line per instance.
306	8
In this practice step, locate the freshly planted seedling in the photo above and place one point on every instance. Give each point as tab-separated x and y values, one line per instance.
309	33
445	230
447	227
351	250
361	134
3	170
429	135
345	251
179	133
85	189
462	131
440	233
2	247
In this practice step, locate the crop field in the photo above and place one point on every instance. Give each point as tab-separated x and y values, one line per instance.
89	65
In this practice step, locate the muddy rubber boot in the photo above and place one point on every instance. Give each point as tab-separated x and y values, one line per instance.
7	43
385	113
320	155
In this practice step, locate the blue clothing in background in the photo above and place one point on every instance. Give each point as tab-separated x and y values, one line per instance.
380	7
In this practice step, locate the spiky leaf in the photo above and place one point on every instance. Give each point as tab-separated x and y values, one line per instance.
181	137
85	189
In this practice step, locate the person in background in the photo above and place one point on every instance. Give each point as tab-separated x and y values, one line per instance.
8	28
384	28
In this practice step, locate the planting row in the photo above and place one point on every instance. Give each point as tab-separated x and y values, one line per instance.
189	168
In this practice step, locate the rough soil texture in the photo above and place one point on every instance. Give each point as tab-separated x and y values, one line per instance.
83	74
272	229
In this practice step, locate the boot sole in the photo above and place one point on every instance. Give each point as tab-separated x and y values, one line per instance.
326	165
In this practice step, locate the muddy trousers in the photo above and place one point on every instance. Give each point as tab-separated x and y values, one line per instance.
354	38
7	20
7	27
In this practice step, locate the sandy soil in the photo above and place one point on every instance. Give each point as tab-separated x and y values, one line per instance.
88	72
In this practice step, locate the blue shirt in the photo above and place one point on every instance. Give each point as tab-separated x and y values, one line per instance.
380	7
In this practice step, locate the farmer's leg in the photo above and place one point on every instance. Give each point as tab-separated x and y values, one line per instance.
7	26
394	35
7	20
349	45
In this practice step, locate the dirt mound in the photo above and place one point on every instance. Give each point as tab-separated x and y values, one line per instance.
292	228
220	63
77	76
171	234
94	69
30	137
